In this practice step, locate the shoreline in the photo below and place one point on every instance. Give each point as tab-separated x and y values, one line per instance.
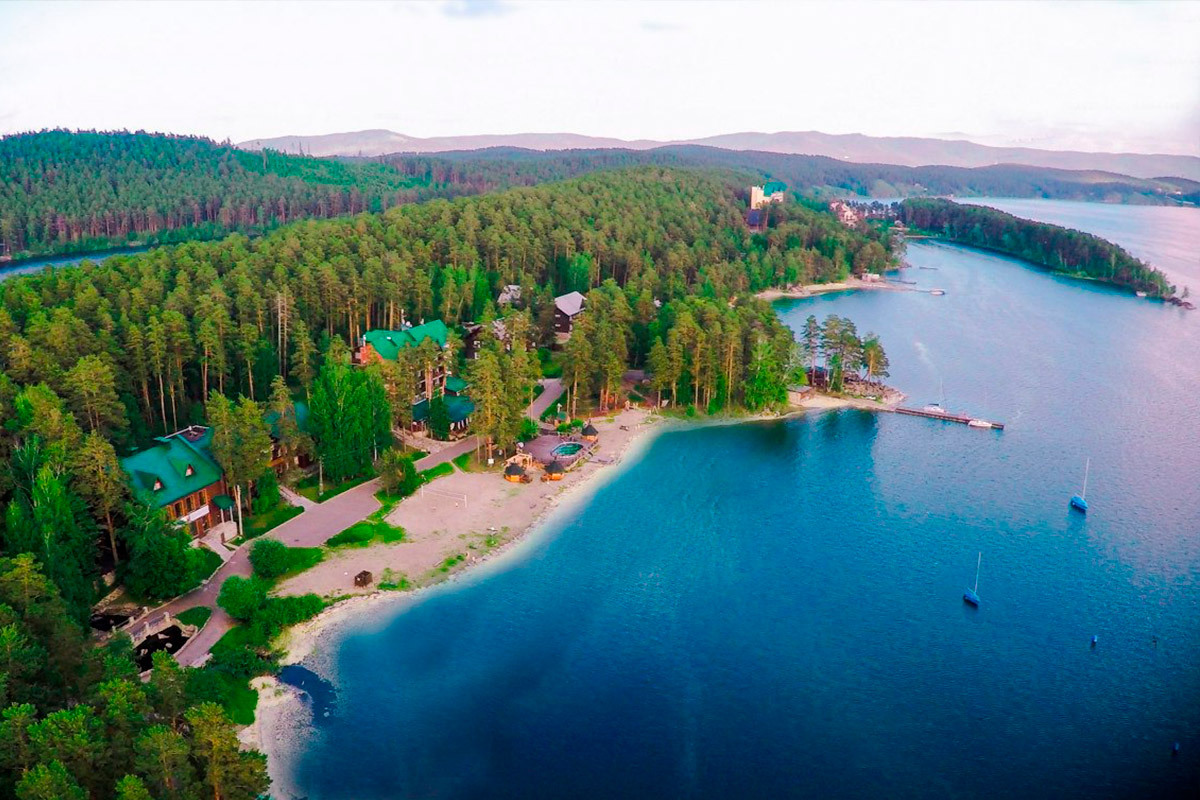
814	289
283	708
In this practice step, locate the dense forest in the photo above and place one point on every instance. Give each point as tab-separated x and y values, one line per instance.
63	192
1055	248
812	176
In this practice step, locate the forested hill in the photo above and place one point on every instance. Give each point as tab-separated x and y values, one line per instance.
1058	249
813	176
176	322
64	192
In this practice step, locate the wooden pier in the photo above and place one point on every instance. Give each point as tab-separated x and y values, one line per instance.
949	417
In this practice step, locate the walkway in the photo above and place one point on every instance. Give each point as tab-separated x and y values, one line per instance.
309	529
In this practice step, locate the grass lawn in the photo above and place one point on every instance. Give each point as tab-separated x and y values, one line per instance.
445	468
258	524
204	564
195	616
308	487
300	559
463	461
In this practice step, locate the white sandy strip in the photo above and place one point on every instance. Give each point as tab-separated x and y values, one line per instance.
812	289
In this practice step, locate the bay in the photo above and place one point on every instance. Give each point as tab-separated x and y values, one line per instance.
774	609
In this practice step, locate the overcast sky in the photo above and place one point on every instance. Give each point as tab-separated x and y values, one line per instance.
1102	76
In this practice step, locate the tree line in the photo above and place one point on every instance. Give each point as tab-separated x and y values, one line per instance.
1056	248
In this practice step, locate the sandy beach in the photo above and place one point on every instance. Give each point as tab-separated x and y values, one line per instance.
477	516
811	289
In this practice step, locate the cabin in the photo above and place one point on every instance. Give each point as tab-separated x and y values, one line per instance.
429	382
797	394
179	474
566	308
554	471
756	220
282	459
770	192
474	337
846	213
589	432
510	295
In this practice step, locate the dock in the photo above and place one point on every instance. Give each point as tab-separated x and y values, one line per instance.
946	416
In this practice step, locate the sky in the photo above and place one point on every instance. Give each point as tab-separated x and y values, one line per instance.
1111	76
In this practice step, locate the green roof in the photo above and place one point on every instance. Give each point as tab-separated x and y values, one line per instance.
301	410
771	187
459	408
169	463
456	384
389	343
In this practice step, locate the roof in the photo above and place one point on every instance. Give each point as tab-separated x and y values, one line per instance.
456	384
459	409
182	463
771	187
754	217
570	304
389	343
555	466
509	294
590	430
300	409
514	469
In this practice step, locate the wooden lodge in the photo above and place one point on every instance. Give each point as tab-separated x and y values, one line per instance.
282	459
566	308
180	474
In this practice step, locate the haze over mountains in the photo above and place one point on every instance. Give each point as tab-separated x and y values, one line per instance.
903	151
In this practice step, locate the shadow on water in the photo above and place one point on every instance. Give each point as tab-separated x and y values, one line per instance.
316	691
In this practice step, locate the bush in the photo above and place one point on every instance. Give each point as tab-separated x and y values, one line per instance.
242	597
397	475
529	430
436	472
269	558
280	612
266	490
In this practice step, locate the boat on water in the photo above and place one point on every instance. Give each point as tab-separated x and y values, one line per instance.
937	407
971	596
1140	294
937	292
979	423
1079	501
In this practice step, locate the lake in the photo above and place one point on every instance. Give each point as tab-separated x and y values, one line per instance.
774	609
36	265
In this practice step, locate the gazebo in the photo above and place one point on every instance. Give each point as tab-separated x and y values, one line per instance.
515	472
554	471
589	432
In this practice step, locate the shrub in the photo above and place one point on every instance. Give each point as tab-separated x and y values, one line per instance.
529	430
397	475
197	616
269	558
266	490
242	597
280	612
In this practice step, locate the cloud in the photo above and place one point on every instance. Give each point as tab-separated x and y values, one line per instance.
470	9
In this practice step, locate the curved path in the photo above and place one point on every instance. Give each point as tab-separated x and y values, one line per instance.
309	529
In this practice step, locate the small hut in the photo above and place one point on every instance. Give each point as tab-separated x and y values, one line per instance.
589	432
515	473
555	471
363	578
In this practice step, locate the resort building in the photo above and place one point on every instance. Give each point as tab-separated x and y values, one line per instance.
566	308
510	295
282	459
770	192
846	213
429	380
180	474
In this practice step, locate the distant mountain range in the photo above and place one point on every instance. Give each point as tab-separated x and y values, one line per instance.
903	151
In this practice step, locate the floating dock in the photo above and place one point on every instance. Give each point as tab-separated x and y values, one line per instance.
974	422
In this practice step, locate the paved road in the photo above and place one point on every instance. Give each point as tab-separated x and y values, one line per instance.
310	529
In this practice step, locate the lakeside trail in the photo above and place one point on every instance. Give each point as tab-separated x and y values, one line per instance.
309	529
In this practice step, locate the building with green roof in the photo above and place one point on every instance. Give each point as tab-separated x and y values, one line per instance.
386	345
179	473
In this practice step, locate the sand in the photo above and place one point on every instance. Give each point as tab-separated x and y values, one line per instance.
823	288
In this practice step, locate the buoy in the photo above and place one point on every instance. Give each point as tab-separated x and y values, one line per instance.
1094	640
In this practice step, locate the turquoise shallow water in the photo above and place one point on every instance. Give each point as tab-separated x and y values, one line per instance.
774	609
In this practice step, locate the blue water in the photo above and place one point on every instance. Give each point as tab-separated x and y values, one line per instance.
774	609
38	264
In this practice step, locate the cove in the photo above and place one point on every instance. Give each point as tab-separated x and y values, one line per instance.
774	609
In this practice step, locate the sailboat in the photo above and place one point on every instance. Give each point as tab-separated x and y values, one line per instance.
971	595
938	407
1078	502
